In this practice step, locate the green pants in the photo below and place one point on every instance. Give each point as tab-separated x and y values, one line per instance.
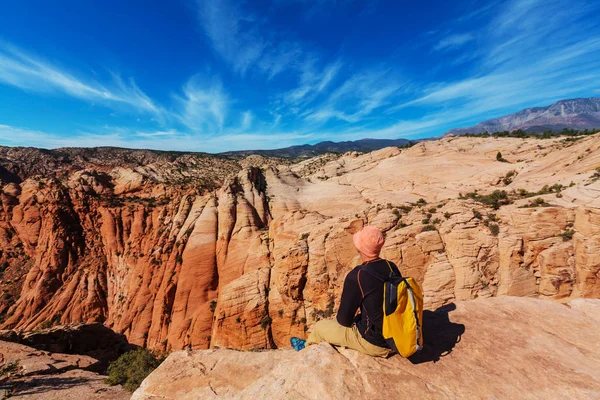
331	332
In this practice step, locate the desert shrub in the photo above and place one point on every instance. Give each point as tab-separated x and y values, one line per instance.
280	313
304	236
539	202
405	209
323	314
265	322
494	229
425	221
428	228
10	369
495	200
567	235
508	178
500	158
396	212
596	175
436	221
213	306
421	201
432	210
45	325
476	214
132	368
447	215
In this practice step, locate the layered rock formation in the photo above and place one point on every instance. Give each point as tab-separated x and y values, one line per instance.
503	347
191	251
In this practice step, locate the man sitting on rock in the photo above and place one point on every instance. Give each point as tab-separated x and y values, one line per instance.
362	291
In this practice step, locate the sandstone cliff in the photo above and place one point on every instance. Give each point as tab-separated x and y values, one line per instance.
192	251
504	348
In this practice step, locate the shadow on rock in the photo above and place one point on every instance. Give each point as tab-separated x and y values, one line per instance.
43	384
94	340
440	335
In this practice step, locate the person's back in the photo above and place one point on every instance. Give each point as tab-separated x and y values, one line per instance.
363	291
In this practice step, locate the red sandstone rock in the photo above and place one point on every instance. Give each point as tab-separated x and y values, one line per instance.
194	251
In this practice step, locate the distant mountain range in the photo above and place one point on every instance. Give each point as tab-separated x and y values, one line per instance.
578	114
312	150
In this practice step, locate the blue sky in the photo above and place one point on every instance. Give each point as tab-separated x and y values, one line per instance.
212	75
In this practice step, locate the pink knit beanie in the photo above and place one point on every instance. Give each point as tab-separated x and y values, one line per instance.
369	241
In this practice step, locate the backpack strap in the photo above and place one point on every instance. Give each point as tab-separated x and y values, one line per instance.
363	297
382	278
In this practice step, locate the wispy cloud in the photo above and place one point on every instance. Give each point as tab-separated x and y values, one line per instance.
358	96
454	42
247	117
236	36
312	82
204	105
532	53
30	73
173	140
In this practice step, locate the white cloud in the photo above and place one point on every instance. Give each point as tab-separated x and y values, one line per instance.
531	53
30	73
236	36
171	140
157	133
246	120
312	82
357	97
454	42
204	105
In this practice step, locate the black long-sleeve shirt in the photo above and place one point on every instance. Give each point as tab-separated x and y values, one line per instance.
365	291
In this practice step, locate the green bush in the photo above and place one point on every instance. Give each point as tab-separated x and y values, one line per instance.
265	322
9	370
427	228
494	229
500	158
405	209
132	368
495	200
567	235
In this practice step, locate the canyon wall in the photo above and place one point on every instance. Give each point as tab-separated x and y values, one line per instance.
196	252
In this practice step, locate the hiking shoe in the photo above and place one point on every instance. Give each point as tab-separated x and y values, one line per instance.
297	343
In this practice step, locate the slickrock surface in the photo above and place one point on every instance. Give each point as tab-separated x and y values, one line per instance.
509	348
181	251
43	375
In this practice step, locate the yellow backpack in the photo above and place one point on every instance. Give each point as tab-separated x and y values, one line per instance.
402	313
